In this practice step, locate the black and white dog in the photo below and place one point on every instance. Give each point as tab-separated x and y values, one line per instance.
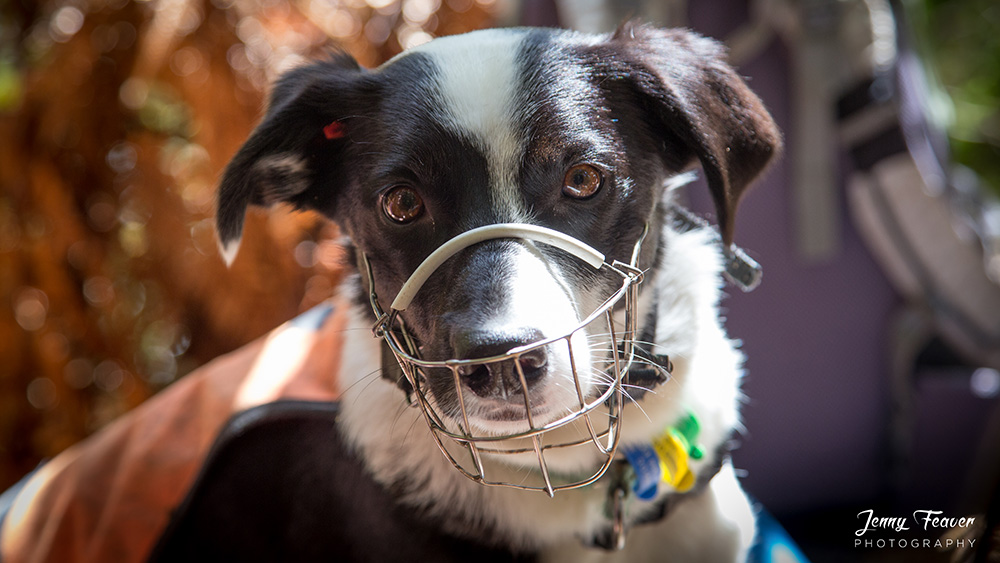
577	133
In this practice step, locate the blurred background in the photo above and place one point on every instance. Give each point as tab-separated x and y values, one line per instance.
873	344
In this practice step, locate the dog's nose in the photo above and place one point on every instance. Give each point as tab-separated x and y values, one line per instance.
500	379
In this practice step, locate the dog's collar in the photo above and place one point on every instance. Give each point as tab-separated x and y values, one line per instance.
676	448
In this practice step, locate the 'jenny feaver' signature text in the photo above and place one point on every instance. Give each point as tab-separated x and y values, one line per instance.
926	519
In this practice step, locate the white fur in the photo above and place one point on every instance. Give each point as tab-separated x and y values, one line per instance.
479	83
229	251
290	166
397	445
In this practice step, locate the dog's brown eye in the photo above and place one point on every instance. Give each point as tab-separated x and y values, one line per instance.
582	181
402	204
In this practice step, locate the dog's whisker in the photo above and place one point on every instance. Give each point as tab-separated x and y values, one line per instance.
605	346
413	424
606	340
633	400
367	379
641	361
400	411
605	378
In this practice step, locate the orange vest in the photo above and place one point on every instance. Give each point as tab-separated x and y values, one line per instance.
110	497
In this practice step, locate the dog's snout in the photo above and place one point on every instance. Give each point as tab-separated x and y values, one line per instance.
484	344
500	378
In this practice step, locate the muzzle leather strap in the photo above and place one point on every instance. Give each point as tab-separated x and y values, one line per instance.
651	369
394	373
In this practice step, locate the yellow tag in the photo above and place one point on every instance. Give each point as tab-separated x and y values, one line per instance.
673	456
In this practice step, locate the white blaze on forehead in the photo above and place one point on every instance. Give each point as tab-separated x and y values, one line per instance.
480	85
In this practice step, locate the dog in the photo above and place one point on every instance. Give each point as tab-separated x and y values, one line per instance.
575	134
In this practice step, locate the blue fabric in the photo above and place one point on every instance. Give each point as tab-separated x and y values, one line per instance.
773	544
314	318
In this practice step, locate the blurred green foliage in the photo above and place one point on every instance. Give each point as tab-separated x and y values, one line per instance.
960	40
10	85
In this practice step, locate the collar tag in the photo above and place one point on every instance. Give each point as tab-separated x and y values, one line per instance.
646	466
739	268
666	459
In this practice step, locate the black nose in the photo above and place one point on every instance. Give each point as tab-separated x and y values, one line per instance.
500	379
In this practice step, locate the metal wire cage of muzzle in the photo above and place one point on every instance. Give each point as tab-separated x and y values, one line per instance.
605	403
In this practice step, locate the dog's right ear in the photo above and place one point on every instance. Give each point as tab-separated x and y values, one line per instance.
693	97
303	133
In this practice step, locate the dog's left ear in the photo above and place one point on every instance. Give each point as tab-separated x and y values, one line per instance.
697	100
301	138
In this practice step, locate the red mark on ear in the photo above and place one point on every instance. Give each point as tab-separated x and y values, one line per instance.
334	130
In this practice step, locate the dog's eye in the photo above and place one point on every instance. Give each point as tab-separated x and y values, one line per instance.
402	204
582	181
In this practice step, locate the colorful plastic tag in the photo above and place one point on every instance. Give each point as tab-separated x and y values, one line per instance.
666	459
646	466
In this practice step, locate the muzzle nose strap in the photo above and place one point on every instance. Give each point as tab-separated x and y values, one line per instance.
552	237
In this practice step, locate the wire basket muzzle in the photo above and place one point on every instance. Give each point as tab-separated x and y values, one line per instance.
589	432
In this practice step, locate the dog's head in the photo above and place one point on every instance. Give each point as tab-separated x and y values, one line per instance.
573	132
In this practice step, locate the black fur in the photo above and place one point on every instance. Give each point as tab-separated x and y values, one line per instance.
281	485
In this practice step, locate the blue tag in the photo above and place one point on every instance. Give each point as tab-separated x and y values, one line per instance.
647	469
